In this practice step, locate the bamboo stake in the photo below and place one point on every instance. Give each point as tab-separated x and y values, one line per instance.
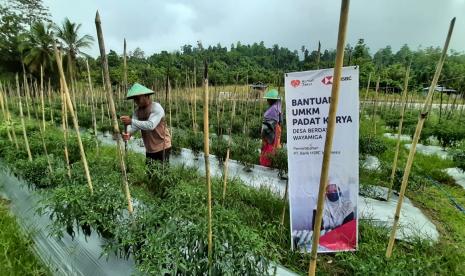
226	161
329	132
26	87
49	92
92	102
421	120
10	122
69	104
29	155
318	56
207	164
103	56
64	125
5	115
366	92
125	68
396	155
42	96
375	100
283	214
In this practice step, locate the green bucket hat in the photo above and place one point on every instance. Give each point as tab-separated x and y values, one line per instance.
138	89
272	94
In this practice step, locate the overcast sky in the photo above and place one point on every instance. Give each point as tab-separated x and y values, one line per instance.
155	25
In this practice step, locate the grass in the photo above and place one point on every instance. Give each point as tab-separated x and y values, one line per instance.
249	218
16	255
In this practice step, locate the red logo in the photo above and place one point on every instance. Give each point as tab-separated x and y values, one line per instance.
327	80
295	83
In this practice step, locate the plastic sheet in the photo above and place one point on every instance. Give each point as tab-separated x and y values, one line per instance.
64	256
413	222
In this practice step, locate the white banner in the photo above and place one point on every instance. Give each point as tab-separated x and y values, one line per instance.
308	95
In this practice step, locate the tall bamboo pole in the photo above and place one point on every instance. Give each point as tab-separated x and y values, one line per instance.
207	163
375	101
92	101
366	92
26	141
98	25
125	68
5	115
329	132
42	96
69	104
26	91
226	161
64	125
10	122
421	120
399	132
318	55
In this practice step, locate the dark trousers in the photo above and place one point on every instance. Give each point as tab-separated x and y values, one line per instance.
155	164
163	155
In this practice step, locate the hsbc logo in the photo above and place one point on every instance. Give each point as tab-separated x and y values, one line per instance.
329	79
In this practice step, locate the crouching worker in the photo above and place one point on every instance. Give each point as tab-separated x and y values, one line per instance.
149	118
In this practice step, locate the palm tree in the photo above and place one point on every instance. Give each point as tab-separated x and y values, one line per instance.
68	33
36	47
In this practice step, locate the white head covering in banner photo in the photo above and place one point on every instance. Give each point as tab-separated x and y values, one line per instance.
308	96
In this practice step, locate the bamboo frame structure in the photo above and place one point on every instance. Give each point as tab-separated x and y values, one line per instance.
69	104
23	125
423	115
399	132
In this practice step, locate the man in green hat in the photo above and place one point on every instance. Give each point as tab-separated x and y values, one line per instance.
271	127
149	118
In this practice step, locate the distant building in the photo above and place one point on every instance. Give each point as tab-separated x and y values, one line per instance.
440	88
258	89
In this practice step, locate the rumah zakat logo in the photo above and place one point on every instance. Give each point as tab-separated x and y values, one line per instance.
295	83
329	79
301	83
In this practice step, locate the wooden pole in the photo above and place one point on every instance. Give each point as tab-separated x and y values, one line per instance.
207	164
329	132
4	113
42	96
103	56
399	132
26	91
375	100
366	92
421	120
10	122
26	141
125	68
64	125
226	161
69	104
92	102
318	55
283	214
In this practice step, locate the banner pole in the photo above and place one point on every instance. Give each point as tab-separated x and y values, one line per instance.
329	132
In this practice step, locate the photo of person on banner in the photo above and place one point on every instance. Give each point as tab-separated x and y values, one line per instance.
338	210
338	228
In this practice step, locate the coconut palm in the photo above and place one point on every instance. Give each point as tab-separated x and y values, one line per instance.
68	33
36	47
